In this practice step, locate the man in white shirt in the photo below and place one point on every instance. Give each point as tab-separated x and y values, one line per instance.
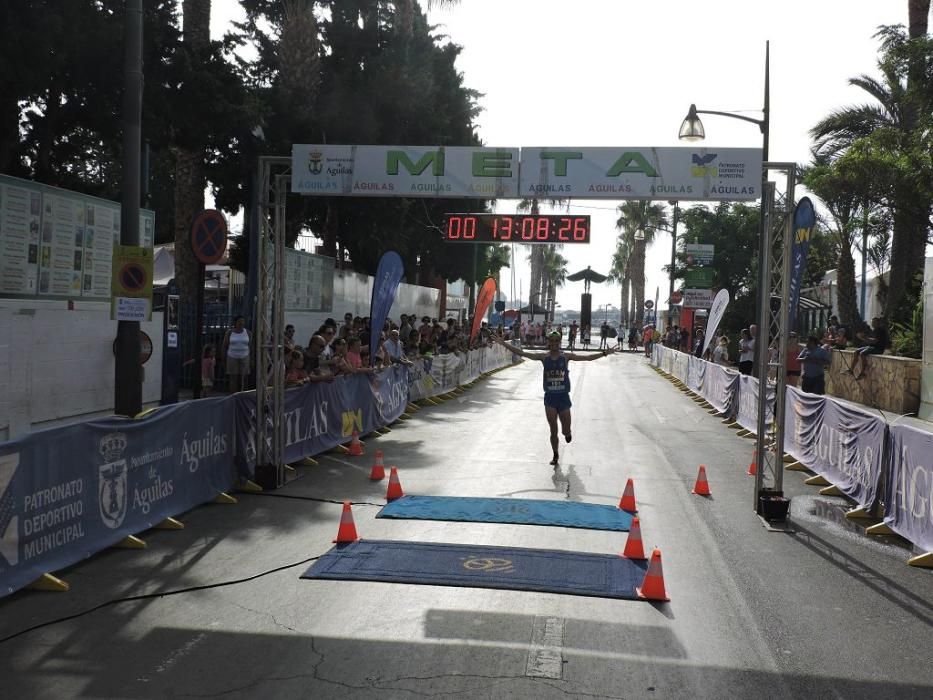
394	348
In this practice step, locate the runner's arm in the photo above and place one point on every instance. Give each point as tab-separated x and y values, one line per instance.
518	351
587	358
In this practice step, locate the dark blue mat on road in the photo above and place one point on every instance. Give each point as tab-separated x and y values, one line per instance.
523	511
520	569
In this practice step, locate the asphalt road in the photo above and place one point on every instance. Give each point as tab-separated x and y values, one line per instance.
820	611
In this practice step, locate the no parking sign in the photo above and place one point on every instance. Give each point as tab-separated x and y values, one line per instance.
131	284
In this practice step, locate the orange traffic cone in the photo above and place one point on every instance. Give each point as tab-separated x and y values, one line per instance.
628	498
379	471
633	546
356	447
395	487
701	488
652	588
753	467
347	530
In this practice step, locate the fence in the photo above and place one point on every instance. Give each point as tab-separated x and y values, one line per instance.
69	492
868	460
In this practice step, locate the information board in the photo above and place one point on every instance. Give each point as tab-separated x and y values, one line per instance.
309	281
58	243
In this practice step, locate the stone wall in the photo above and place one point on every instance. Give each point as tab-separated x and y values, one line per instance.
889	383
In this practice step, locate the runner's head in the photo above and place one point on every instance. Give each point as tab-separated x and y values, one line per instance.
553	341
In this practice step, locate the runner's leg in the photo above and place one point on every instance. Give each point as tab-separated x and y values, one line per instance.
551	414
564	426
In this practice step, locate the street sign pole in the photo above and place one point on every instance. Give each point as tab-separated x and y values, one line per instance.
128	387
198	331
208	243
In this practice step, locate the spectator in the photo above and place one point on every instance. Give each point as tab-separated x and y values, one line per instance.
296	374
876	341
814	360
793	359
406	326
412	349
572	335
633	339
684	340
207	370
289	341
312	357
753	332
604	335
344	363
699	343
585	337
721	352
746	352
236	352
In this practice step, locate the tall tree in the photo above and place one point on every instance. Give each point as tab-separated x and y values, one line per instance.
885	146
554	274
620	273
638	220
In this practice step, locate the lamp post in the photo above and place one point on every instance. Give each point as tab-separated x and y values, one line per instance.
692	130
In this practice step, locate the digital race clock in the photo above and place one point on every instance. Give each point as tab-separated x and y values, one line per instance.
516	228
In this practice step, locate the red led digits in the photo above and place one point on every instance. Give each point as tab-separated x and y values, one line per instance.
527	228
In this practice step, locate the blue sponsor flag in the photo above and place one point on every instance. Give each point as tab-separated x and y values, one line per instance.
388	275
804	221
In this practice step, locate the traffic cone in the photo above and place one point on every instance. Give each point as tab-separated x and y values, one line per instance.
753	467
628	498
652	588
356	447
379	471
701	488
395	487
633	546
347	530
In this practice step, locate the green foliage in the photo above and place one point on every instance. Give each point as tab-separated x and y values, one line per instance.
733	229
907	338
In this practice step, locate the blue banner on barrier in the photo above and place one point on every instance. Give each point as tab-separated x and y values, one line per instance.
840	443
908	493
322	415
69	492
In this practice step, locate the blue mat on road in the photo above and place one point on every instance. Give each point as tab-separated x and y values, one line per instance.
514	568
523	511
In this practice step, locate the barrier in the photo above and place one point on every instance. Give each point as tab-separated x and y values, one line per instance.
856	451
908	491
69	492
839	442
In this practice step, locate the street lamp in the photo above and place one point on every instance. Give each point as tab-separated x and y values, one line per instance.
692	130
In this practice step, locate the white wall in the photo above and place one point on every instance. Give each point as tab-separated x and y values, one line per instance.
353	293
57	364
926	376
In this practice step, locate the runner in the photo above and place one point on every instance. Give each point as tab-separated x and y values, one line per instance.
556	383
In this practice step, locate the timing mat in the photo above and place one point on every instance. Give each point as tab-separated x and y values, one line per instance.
520	569
522	511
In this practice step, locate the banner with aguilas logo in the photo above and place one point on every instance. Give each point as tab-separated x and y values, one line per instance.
695	174
68	492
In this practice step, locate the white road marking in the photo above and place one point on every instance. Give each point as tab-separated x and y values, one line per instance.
545	657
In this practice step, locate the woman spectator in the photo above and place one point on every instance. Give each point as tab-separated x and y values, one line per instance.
721	352
236	354
411	345
296	374
347	361
746	352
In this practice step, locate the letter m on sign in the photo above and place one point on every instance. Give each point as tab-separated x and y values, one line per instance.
352	420
433	158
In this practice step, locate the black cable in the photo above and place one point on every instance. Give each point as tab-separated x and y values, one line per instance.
147	596
311	498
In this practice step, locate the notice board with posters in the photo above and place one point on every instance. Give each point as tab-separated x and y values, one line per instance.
56	243
309	281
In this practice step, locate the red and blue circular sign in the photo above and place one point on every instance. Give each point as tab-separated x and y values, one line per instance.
209	236
133	277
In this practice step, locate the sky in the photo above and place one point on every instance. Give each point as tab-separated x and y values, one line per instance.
624	73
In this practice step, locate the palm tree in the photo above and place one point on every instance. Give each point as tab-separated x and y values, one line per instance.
874	142
639	216
620	273
497	257
554	273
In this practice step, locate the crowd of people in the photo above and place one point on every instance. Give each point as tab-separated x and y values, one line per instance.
805	366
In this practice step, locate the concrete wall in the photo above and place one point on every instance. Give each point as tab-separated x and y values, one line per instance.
353	293
890	383
926	383
57	365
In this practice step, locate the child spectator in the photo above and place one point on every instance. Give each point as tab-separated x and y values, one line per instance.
207	370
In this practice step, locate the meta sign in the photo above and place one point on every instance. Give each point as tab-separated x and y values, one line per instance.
695	174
